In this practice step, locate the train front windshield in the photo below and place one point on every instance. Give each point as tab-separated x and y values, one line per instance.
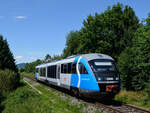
104	69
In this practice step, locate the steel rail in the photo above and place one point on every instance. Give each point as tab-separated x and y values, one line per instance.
109	108
137	108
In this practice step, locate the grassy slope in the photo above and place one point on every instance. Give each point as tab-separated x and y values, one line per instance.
27	74
130	97
134	98
25	100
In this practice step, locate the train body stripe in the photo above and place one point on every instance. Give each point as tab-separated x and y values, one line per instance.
77	68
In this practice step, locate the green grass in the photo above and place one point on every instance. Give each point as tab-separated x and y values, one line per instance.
26	100
134	98
131	97
27	74
62	105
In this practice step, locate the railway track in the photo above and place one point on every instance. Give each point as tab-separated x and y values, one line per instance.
123	108
113	107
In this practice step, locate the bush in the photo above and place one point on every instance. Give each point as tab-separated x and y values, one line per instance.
147	89
9	80
134	62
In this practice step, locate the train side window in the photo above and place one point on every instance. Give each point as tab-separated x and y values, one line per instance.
65	68
55	71
48	71
69	68
82	69
62	68
40	72
44	72
58	72
73	69
51	72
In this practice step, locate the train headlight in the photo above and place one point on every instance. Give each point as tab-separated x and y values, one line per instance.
117	78
99	78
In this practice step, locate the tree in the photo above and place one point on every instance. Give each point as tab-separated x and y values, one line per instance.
72	42
9	76
30	67
134	62
47	58
56	57
109	32
147	20
7	60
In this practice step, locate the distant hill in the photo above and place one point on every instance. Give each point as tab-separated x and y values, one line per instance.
21	65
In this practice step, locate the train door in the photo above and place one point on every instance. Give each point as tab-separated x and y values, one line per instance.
58	74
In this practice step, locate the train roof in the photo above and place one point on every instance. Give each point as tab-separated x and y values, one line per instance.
92	56
88	57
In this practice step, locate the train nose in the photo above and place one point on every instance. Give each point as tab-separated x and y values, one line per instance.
112	88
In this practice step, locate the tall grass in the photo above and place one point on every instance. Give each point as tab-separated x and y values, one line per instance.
24	100
27	74
9	80
134	98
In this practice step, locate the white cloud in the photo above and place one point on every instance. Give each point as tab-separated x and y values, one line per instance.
20	17
33	58
19	57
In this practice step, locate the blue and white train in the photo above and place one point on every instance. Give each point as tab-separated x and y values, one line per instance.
92	75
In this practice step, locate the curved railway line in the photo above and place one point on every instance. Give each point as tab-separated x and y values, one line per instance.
112	107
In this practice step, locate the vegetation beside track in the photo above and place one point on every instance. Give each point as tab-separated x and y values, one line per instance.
139	98
27	74
25	100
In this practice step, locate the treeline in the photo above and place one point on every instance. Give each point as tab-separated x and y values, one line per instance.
30	67
118	33
9	76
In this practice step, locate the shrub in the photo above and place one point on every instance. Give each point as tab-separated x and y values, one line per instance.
9	80
147	89
134	62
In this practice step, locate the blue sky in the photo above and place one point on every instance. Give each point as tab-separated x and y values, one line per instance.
34	28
